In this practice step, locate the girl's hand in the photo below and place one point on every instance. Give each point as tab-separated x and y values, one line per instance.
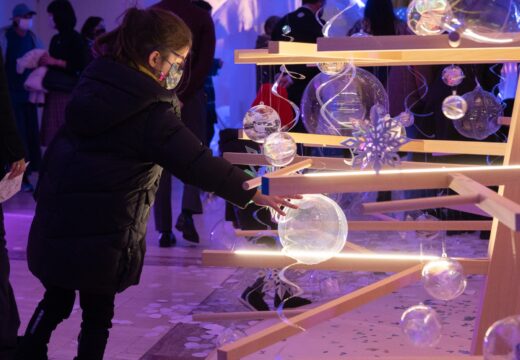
275	202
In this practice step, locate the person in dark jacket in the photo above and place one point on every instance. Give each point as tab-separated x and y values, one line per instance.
100	175
194	105
300	26
12	158
68	56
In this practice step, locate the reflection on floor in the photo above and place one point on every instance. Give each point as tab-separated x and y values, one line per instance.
153	320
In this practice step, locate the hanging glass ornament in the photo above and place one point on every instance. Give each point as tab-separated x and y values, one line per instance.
502	340
260	121
444	278
421	326
452	75
332	68
481	119
279	149
427	17
314	232
406	118
454	107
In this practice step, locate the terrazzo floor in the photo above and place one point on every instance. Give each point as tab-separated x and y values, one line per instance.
153	320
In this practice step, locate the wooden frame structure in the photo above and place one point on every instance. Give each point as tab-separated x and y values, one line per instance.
499	298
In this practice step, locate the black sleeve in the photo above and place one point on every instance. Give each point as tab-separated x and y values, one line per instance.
173	146
11	147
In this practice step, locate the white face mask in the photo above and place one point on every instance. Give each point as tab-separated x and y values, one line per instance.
25	24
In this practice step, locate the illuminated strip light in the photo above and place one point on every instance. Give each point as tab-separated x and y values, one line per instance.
477	37
415	171
366	256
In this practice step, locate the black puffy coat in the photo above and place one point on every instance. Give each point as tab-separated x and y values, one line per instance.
100	175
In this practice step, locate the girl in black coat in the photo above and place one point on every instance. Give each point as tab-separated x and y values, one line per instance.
101	172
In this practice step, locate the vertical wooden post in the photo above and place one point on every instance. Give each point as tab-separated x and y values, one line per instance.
501	292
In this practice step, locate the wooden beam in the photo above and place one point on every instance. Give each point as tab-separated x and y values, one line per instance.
391	225
256	182
365	181
244	315
416	146
501	294
419	203
505	210
470	209
278	332
356	262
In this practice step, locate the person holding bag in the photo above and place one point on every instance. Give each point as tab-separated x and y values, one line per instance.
68	56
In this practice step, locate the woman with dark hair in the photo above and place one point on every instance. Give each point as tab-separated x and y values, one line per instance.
101	172
68	56
93	27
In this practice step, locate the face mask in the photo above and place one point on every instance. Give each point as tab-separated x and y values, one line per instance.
25	24
173	77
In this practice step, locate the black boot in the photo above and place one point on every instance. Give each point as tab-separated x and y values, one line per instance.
186	225
92	344
167	239
253	296
284	294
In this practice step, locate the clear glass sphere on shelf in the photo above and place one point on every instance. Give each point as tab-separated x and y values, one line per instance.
279	149
260	121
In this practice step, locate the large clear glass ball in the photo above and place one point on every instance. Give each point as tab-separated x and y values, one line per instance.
279	149
454	107
444	278
502	340
260	121
427	17
421	326
314	232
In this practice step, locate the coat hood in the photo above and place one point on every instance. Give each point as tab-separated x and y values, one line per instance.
110	93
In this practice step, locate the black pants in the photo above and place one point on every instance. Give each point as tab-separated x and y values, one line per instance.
56	306
9	319
194	117
27	125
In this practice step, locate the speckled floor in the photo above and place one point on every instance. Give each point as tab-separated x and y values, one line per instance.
153	320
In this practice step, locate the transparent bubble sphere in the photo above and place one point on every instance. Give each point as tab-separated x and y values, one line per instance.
502	340
331	105
314	232
454	107
481	118
427	17
279	149
261	121
444	279
421	326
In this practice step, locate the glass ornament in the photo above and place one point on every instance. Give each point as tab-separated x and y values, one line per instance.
230	335
331	105
481	118
286	30
454	107
332	68
427	17
406	118
421	326
279	149
261	121
444	278
502	340
314	232
360	33
452	75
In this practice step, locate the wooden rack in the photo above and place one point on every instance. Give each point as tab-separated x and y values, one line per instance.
501	294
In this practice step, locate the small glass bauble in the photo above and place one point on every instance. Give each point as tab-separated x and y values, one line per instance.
333	68
421	326
427	17
444	278
406	118
502	340
452	75
454	107
261	121
279	149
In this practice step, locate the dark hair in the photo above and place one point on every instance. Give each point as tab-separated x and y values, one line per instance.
381	16
304	2
270	23
203	4
90	24
141	32
63	15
